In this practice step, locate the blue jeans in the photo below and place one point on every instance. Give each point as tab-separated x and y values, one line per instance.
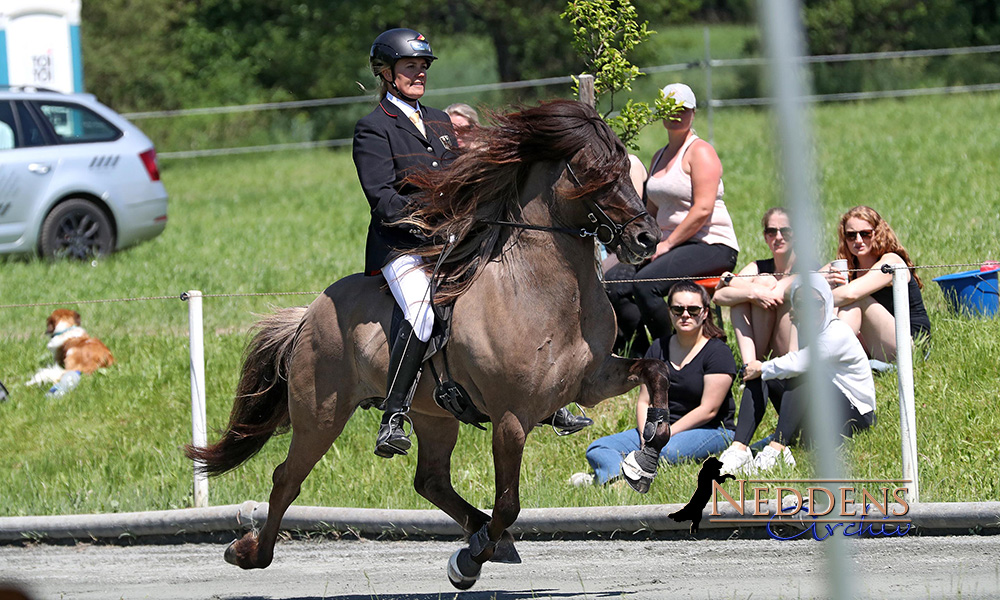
605	454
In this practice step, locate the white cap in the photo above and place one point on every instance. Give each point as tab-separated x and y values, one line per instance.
681	94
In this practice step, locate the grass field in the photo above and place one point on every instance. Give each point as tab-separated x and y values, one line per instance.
296	221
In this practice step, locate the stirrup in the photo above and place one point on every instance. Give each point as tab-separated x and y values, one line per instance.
392	438
566	423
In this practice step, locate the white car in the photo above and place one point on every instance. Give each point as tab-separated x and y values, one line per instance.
77	180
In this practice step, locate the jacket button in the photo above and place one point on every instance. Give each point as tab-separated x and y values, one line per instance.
430	149
434	164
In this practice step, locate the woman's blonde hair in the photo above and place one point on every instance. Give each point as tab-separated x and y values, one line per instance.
464	110
883	241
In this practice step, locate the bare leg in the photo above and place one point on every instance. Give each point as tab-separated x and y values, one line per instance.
878	330
783	339
745	340
874	326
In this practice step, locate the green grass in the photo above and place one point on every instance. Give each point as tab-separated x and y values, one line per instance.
296	222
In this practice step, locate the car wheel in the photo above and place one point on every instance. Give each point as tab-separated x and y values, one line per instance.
76	229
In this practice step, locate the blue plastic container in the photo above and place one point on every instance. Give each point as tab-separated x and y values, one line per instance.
971	292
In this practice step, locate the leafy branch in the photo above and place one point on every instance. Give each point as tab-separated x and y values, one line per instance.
604	33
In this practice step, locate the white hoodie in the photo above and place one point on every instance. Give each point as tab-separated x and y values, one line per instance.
837	343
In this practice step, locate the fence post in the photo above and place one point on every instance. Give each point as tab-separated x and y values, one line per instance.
708	85
904	373
199	436
587	89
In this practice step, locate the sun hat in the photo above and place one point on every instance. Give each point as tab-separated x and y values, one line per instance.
681	94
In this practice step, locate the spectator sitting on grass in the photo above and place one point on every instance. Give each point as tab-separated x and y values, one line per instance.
702	370
865	297
762	322
853	389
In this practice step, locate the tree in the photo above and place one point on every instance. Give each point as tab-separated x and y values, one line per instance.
604	32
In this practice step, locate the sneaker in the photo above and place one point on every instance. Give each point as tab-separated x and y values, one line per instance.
581	479
879	367
735	460
767	459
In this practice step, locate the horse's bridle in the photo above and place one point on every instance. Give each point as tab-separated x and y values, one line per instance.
605	230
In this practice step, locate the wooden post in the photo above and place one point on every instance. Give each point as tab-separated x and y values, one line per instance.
587	89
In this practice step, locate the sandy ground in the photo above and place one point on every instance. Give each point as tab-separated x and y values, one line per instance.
910	568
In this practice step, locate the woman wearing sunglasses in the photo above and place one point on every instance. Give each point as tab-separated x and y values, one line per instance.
702	370
762	321
757	296
864	297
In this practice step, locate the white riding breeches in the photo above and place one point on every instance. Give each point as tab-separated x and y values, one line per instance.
410	286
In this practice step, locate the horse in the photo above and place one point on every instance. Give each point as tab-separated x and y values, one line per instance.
511	224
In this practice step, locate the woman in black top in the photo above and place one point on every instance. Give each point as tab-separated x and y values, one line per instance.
759	307
702	370
865	297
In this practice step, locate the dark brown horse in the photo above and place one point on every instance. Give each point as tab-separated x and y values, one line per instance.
532	326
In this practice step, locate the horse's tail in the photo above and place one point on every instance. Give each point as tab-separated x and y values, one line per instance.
260	409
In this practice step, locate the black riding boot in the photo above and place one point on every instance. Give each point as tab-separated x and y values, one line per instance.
405	358
565	422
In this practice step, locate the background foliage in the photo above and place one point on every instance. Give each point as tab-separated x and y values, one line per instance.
213	52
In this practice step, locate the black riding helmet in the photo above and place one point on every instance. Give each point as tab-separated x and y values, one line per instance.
395	44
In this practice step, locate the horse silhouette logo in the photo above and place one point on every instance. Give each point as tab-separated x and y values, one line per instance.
711	471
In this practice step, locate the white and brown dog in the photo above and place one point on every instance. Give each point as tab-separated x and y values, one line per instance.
72	349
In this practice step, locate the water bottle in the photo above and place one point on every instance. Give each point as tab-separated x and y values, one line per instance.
67	382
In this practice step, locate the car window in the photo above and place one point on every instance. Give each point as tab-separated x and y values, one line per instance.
75	124
7	126
29	128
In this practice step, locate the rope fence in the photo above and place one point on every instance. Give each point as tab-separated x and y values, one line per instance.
185	295
698	277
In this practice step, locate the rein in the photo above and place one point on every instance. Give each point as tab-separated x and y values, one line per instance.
606	231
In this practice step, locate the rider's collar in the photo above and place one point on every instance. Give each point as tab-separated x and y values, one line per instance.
402	105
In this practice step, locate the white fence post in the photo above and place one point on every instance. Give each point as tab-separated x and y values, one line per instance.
708	85
199	436
904	371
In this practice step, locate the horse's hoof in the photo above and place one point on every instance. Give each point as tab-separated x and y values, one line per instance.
639	469
463	572
230	554
505	552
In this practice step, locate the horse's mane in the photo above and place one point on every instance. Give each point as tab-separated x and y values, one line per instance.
484	182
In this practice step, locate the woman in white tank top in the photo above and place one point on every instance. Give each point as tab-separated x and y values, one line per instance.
684	193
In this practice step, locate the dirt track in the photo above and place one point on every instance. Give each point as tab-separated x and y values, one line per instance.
910	568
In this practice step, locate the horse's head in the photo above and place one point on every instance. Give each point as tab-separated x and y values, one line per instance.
601	197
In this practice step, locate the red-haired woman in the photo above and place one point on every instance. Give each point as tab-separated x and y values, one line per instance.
864	298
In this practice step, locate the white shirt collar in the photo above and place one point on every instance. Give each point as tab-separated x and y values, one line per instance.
403	106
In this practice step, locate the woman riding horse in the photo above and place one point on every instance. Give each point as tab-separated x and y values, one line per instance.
532	326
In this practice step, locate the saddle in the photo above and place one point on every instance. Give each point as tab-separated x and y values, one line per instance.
448	393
